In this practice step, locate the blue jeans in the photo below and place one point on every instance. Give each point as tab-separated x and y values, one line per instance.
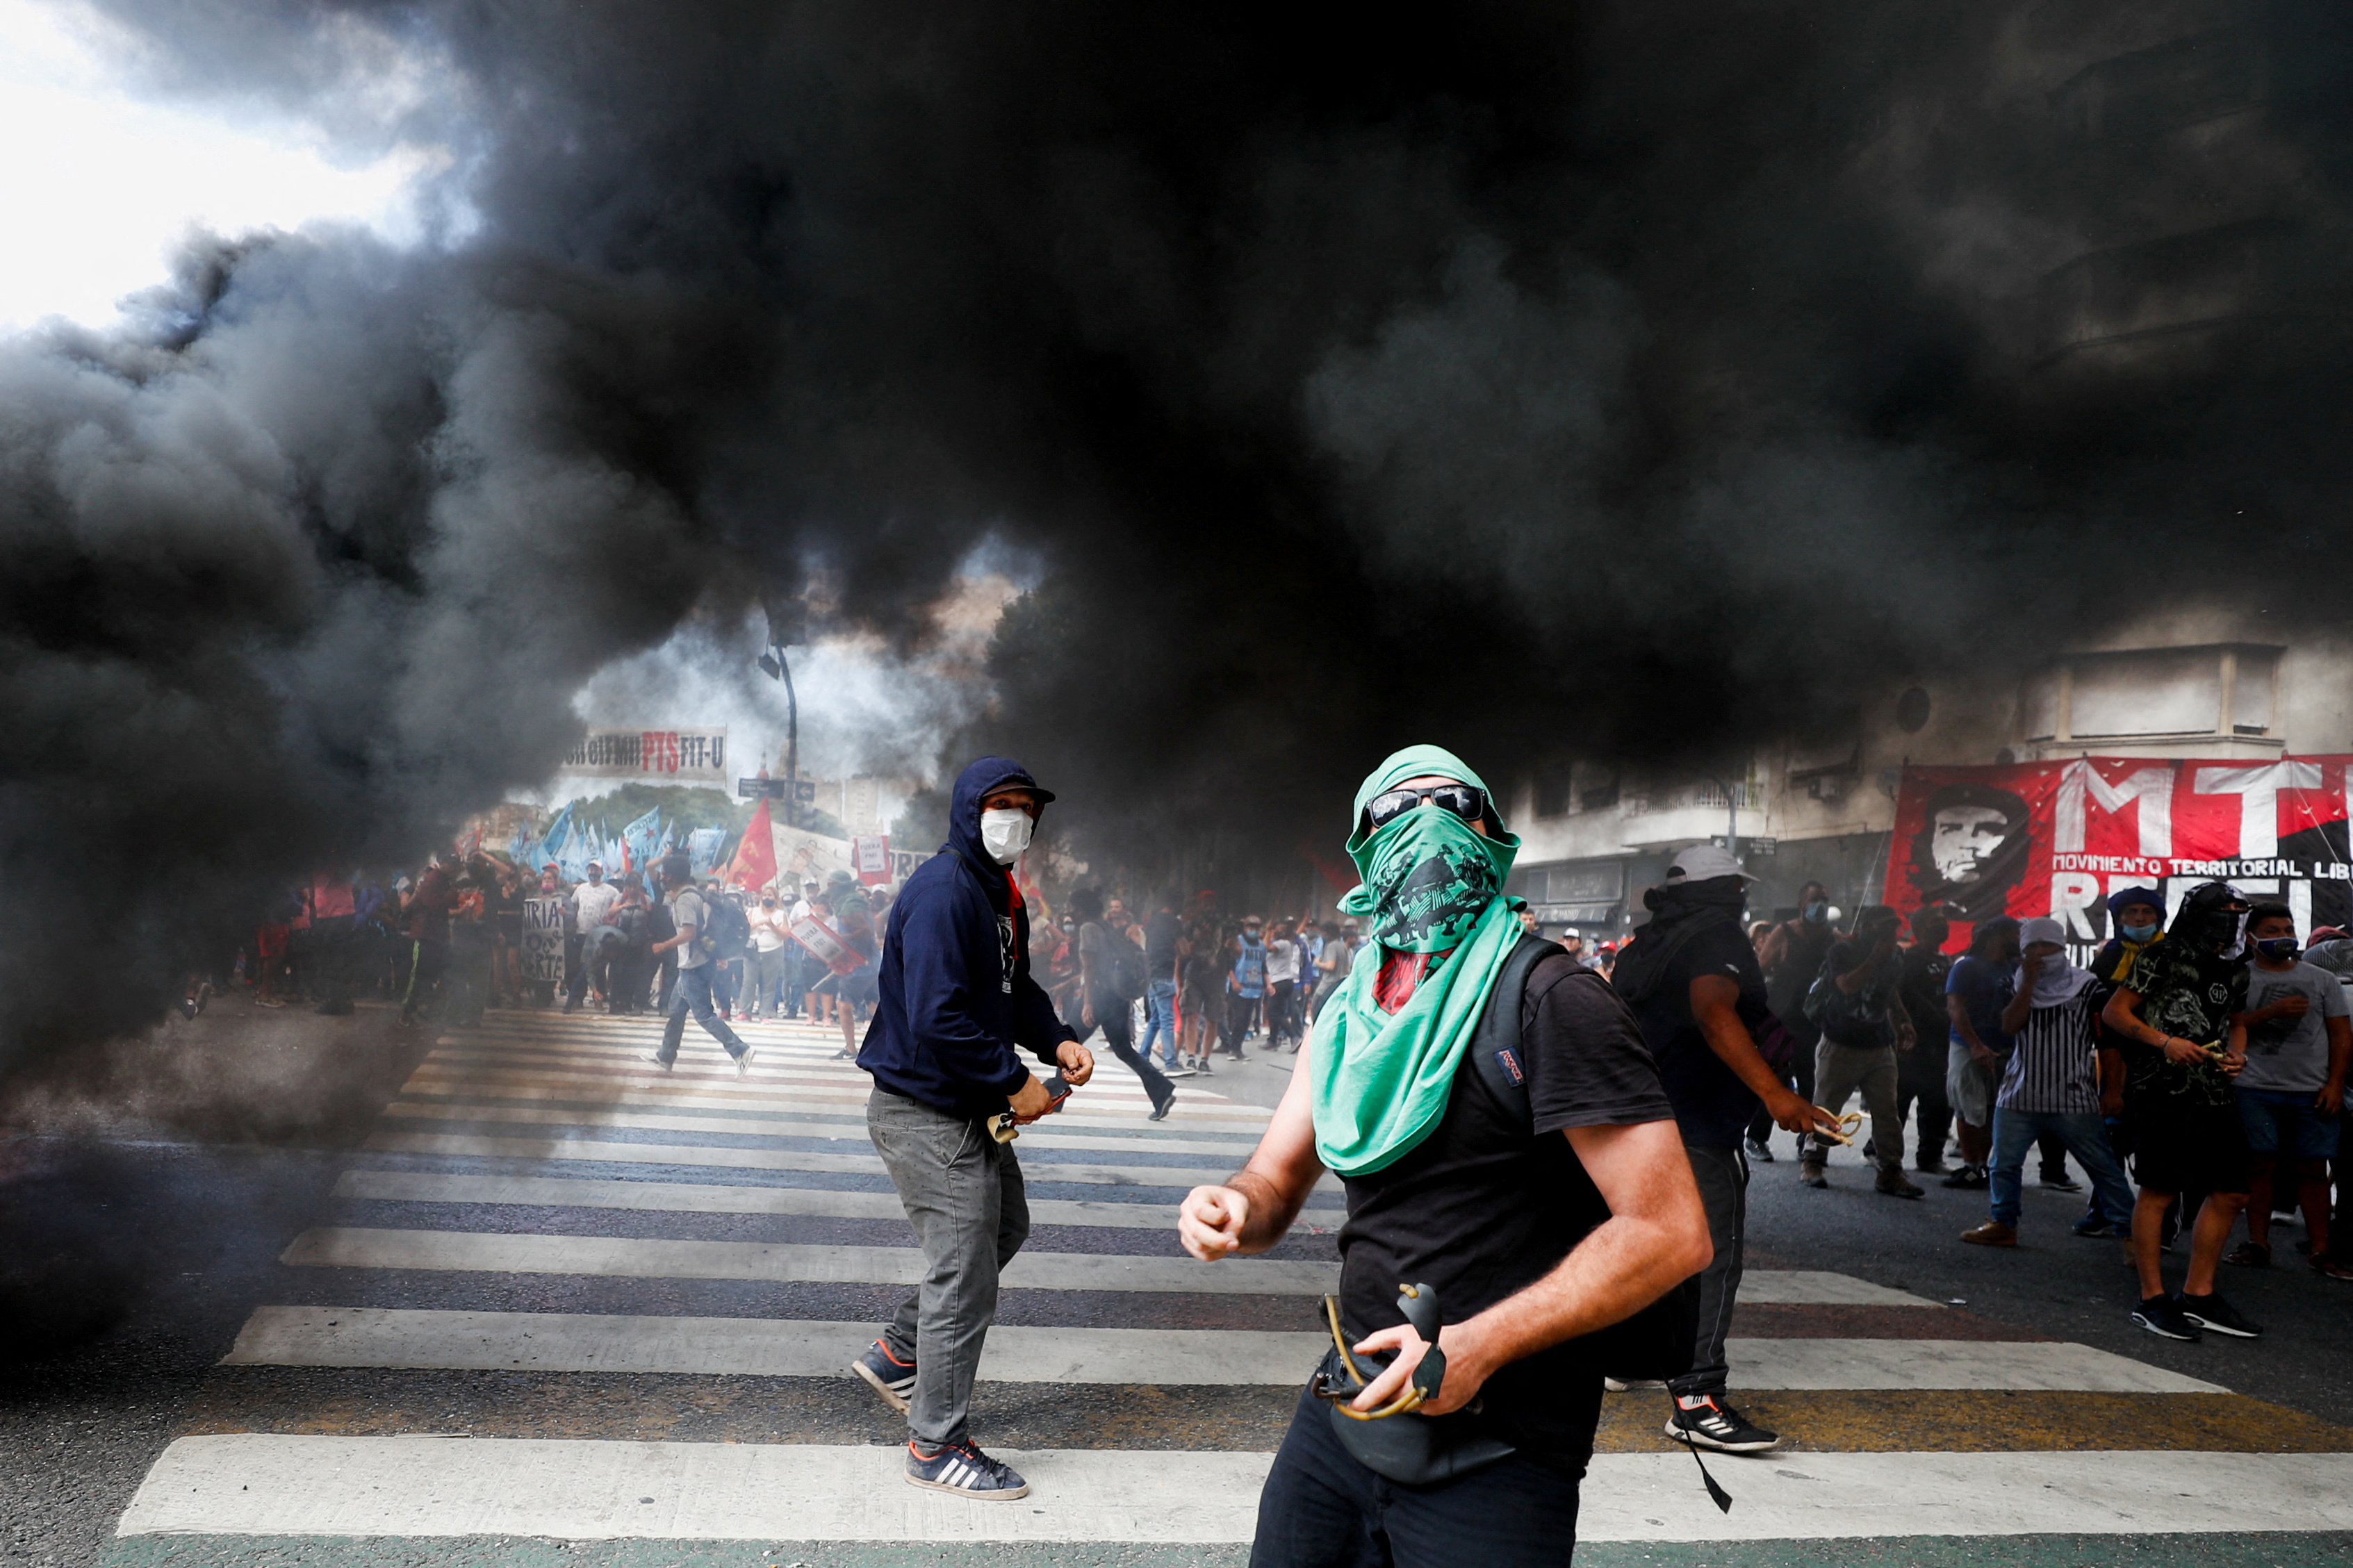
1160	1019
692	994
2015	1132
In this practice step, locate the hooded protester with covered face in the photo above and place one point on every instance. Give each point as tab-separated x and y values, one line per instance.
1509	1154
1692	977
2170	1020
955	1005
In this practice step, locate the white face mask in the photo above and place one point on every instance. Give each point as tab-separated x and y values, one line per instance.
1005	834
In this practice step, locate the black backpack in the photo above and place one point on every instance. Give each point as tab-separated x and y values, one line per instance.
1123	971
1658	1341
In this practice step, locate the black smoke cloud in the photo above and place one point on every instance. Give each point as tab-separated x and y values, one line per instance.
1593	377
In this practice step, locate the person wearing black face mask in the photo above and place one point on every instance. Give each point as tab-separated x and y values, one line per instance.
2172	1019
1792	959
2296	1040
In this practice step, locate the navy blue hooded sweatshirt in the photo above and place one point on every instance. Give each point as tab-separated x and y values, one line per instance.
954	997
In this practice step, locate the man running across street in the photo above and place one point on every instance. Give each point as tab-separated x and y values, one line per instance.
954	999
1692	977
689	920
1534	1221
2171	1019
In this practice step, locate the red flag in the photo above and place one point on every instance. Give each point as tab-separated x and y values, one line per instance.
755	865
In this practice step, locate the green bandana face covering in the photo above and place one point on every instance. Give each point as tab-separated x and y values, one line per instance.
1429	875
1432	884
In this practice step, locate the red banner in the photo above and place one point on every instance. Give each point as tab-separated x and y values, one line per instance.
2057	838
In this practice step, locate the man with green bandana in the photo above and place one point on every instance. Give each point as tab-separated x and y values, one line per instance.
1536	1221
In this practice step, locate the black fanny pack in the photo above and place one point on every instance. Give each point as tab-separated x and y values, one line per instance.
1398	1442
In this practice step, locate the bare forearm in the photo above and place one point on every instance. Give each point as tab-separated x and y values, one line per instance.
1732	1047
1273	1205
1621	1268
2014	1011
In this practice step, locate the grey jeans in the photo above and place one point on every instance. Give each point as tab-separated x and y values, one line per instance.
1723	1176
1839	1071
963	1192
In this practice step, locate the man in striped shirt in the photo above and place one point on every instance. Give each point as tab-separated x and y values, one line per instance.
2051	1083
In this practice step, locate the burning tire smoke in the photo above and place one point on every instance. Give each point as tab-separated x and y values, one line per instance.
1603	377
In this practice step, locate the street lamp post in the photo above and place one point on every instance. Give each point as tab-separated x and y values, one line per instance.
792	741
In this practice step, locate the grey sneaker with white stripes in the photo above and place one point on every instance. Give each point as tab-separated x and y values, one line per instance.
963	1468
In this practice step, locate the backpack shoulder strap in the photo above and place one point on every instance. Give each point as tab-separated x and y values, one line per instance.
1495	1043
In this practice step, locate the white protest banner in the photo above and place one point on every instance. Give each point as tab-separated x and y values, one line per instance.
542	939
697	755
870	852
825	943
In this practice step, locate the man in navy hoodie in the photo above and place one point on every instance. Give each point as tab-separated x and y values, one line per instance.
955	1000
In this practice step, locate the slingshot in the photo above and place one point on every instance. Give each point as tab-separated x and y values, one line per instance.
1849	1125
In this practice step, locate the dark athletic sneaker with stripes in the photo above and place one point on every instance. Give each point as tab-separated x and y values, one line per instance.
963	1468
1709	1423
891	1378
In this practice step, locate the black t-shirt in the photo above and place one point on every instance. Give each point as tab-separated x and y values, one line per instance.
1923	990
1481	1209
1711	1105
1160	937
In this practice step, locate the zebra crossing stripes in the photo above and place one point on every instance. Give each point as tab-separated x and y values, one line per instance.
750	1347
515	1147
353	1247
775	1126
598	1152
682	1197
275	1485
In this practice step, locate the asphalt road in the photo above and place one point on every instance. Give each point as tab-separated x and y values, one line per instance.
145	1198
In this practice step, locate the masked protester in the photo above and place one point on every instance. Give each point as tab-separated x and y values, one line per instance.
955	1002
1533	1182
2172	1020
1692	977
1792	955
2297	1039
2051	1084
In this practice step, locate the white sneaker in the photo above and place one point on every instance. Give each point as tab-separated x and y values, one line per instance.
655	1057
743	1063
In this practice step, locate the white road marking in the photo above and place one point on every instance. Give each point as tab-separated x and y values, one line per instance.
1111	1085
1816	1287
263	1484
593	1150
1948	1363
1189	1115
338	1246
682	1197
1043	1135
751	1347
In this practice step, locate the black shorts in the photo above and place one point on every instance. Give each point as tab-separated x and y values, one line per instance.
2185	1146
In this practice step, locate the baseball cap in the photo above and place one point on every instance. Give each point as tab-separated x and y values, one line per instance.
593	865
1705	863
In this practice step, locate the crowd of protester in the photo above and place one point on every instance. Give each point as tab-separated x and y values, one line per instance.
447	941
2207	1056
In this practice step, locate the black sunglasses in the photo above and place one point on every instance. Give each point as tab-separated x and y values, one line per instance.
1465	801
